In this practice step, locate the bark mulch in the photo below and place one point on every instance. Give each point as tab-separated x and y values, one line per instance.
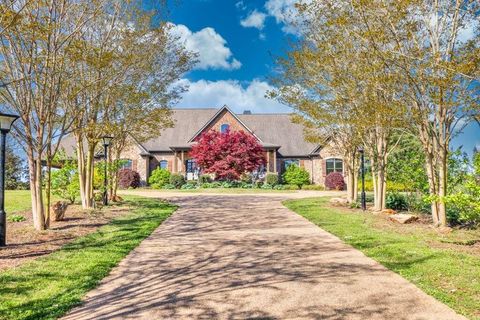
24	243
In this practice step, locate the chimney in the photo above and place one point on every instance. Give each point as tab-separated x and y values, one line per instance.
247	112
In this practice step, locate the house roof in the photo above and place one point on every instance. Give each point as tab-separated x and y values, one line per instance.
273	130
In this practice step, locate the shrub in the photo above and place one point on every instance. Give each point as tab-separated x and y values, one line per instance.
335	181
169	186
396	201
188	186
258	184
227	185
178	180
216	184
159	178
279	187
272	179
16	218
315	187
267	186
65	183
296	175
464	206
128	179
248	186
204	178
290	187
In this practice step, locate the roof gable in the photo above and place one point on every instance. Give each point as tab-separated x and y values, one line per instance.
224	116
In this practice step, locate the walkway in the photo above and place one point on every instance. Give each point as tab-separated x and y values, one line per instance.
248	257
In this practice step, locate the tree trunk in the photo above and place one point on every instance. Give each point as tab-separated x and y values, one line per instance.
442	187
38	213
48	189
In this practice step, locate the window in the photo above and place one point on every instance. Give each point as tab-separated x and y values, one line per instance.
190	165
224	127
334	165
126	164
289	162
163	164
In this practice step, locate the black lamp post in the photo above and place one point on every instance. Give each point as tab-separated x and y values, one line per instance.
6	121
106	142
364	199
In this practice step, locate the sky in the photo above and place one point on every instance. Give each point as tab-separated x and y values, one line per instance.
237	42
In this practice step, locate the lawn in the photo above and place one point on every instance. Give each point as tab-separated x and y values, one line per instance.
19	200
48	287
418	253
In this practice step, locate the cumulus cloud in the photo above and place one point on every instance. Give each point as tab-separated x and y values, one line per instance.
210	46
285	13
255	19
251	96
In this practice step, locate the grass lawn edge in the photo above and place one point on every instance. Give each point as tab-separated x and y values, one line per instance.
49	287
447	275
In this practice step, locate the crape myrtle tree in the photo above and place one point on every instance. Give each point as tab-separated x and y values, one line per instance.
130	66
228	155
338	89
435	52
35	45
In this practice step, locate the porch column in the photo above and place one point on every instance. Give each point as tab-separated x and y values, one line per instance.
183	162
175	163
275	161
268	161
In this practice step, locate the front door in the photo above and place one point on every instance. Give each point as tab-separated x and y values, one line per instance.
192	171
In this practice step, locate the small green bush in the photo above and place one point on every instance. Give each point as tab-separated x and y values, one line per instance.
216	184
272	179
396	201
315	187
159	178
248	186
279	187
168	186
178	180
16	218
204	178
267	186
258	184
296	175
290	187
227	185
188	186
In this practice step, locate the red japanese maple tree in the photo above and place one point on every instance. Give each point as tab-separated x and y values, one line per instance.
227	154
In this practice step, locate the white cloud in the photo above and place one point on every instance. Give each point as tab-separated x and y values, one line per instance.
211	47
468	31
240	5
285	13
255	19
203	94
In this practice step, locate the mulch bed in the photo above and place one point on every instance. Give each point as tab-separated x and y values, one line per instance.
24	243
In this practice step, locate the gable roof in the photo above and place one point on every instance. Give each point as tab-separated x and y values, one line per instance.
215	117
271	129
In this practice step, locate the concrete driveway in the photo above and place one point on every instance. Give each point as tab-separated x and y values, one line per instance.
248	257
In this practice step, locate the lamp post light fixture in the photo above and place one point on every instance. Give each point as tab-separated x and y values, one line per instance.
107	140
363	196
6	121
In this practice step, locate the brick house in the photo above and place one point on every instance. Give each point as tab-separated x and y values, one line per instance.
282	140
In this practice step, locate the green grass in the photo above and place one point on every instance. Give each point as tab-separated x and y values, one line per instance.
19	200
48	287
449	275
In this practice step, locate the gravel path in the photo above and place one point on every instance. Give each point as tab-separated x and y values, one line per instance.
248	257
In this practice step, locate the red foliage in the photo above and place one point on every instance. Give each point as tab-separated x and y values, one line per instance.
335	181
227	154
128	179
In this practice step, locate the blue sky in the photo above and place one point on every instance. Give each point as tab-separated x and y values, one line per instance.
237	42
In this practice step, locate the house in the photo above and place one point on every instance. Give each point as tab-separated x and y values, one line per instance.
282	140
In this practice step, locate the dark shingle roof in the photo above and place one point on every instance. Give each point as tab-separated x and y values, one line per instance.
272	129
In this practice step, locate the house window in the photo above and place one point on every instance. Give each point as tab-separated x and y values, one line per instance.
190	165
224	127
163	164
126	164
334	165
